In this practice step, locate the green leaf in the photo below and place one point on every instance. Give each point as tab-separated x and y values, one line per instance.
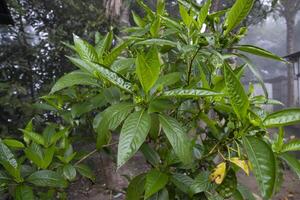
82	65
201	183
136	187
190	93
203	13
155	181
237	13
246	193
283	118
35	154
69	172
158	42
47	178
264	165
8	161
148	68
85	50
13	143
155	27
86	171
113	55
293	145
150	154
168	79
112	77
133	135
237	95
183	182
186	18
24	192
104	45
292	162
37	138
4	178
178	138
160	105
227	188
74	78
138	20
48	156
258	51
112	117
161	195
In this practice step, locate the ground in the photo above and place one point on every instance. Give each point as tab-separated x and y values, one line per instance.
110	183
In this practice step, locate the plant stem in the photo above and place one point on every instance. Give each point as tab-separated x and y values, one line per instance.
92	152
190	64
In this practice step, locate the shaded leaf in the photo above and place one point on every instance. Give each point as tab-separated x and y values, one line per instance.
47	178
155	181
177	138
133	134
263	162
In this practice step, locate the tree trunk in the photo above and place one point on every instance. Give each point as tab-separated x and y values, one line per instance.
290	25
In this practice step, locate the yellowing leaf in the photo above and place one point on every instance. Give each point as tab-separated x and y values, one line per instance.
219	173
240	163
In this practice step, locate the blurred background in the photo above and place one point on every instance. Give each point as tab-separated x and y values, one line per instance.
32	55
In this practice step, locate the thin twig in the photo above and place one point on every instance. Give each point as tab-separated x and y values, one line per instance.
191	64
92	152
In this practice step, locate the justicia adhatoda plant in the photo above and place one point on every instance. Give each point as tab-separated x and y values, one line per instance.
176	95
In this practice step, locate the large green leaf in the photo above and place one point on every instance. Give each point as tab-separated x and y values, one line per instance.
237	95
136	187
133	135
283	118
85	50
264	165
258	51
237	13
148	68
155	181
177	137
293	145
112	117
74	78
24	192
47	178
292	161
189	93
203	13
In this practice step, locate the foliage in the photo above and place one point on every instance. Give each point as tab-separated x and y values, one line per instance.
172	90
38	163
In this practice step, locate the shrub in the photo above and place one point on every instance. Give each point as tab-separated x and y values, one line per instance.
172	90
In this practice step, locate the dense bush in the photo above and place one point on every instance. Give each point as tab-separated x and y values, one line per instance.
172	90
